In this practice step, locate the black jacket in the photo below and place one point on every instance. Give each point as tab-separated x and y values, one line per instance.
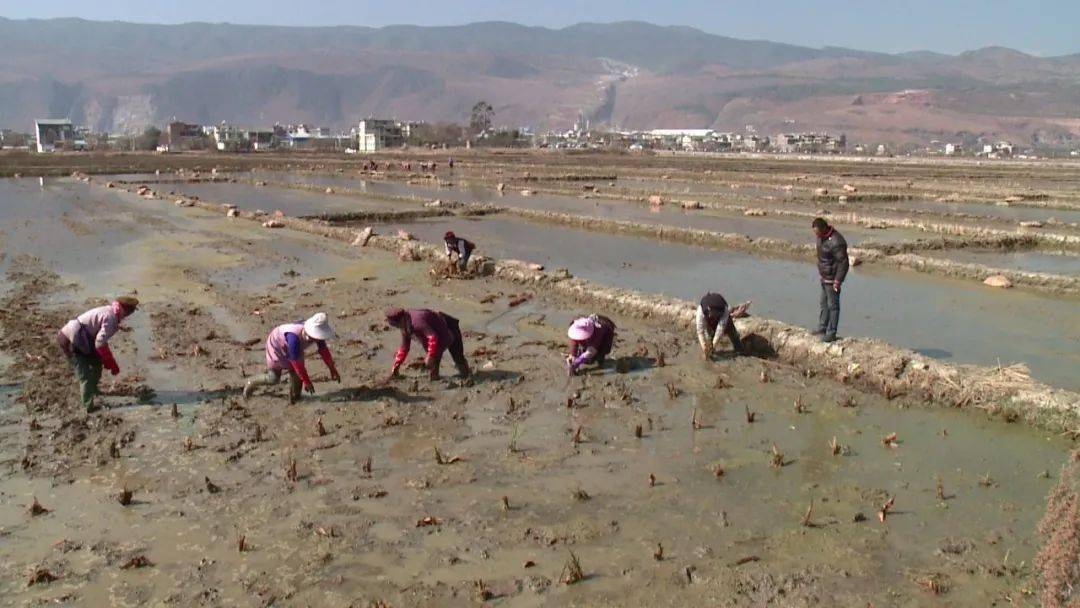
832	257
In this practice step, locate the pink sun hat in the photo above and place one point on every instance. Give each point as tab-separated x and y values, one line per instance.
581	329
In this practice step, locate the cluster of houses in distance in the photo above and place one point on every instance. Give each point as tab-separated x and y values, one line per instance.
375	134
52	135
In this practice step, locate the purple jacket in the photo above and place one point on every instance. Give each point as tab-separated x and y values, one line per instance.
429	328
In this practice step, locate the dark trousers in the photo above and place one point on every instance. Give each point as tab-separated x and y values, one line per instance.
463	261
733	335
457	347
829	317
603	349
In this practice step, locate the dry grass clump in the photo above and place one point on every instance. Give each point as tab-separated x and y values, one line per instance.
1058	562
976	383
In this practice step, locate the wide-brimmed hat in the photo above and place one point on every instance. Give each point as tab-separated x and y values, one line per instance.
129	303
449	235
318	327
581	329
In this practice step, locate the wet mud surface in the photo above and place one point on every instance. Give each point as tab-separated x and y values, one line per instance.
955	320
289	202
735	491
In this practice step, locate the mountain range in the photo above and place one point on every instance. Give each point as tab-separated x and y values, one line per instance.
116	76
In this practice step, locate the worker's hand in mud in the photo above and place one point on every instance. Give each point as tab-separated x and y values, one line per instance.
114	371
393	375
310	388
335	376
706	354
836	286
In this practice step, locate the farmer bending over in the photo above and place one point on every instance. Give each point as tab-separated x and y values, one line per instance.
438	331
285	348
714	319
85	341
591	339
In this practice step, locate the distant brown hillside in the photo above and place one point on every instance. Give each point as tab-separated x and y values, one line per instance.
122	76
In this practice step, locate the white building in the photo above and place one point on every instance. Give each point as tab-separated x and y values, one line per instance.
954	149
51	133
375	134
1001	149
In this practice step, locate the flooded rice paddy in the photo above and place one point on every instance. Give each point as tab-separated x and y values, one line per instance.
944	318
683	514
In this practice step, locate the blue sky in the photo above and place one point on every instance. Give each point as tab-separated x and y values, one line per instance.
1042	27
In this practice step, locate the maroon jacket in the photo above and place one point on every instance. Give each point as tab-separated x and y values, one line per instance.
429	328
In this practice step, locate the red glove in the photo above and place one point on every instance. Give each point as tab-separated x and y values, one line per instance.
399	360
433	348
328	359
107	359
301	370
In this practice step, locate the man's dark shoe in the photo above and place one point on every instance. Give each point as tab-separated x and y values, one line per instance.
93	407
831	338
818	332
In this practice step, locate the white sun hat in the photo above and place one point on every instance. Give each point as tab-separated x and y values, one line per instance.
318	327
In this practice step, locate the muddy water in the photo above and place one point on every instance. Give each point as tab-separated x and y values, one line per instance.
1064	262
319	179
60	219
948	319
289	202
1016	213
682	188
668	215
331	539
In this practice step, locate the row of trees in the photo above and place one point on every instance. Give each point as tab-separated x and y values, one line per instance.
452	134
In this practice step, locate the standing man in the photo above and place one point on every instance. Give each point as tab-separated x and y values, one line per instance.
285	348
438	331
85	341
714	319
832	261
460	247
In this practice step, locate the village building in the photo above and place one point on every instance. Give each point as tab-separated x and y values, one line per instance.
374	134
51	134
180	136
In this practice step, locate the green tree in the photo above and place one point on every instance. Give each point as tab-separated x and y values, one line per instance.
437	134
481	117
149	139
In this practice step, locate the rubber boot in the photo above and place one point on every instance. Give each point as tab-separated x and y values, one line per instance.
268	379
295	388
463	370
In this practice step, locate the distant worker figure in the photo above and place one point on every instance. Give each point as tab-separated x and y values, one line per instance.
832	261
285	348
85	341
450	163
438	331
591	339
714	319
457	246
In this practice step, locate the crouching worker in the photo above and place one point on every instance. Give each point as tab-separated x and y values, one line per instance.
459	247
591	339
285	348
85	341
715	319
438	331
